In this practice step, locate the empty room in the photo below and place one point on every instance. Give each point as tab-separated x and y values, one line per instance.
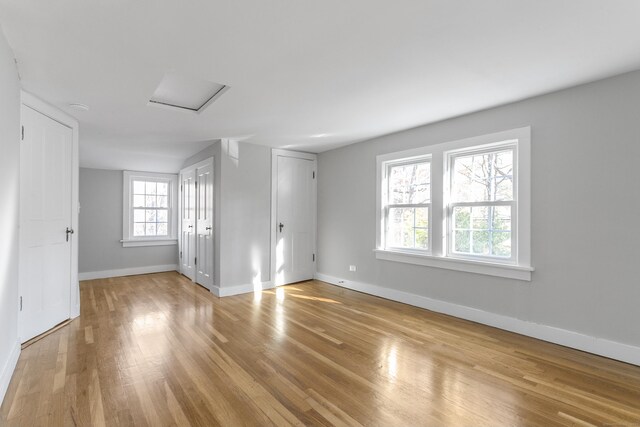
320	213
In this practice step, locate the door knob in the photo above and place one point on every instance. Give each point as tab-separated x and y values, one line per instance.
281	226
69	231
208	228
190	226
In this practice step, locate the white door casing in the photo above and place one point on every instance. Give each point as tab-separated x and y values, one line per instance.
187	223
294	228
204	225
46	223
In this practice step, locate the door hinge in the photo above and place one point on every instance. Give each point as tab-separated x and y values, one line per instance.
22	133
20	303
314	174
180	254
196	184
195	261
181	188
314	257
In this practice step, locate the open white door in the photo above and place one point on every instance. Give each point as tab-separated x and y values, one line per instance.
295	216
204	225
46	234
188	223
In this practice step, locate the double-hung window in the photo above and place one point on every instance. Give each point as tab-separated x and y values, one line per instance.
149	214
461	205
482	207
408	204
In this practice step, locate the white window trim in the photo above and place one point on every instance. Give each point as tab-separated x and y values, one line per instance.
128	240
520	268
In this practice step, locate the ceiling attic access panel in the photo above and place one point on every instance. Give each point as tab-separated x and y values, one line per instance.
185	93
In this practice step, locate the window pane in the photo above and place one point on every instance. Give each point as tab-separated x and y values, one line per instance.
150	188
482	230
163	189
151	215
138	215
162	215
138	229
408	228
162	201
422	217
504	175
400	234
480	217
502	218
422	238
138	201
462	241
150	201
502	244
410	183
138	187
162	229
480	243
483	177
462	218
150	229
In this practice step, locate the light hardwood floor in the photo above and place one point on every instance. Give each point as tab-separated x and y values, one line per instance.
157	350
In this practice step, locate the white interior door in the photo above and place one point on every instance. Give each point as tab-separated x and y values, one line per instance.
204	226
295	219
45	227
188	223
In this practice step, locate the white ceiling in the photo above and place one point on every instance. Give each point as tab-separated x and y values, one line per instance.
346	70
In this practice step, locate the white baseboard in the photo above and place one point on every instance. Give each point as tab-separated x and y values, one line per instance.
127	272
7	370
227	291
603	347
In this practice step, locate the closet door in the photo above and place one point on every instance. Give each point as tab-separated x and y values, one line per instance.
204	225
188	223
46	236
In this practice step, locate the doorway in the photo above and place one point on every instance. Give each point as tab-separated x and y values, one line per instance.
293	237
196	224
48	282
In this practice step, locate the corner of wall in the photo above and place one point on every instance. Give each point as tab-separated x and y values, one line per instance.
9	206
8	369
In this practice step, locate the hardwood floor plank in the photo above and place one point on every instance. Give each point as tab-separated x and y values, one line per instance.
157	350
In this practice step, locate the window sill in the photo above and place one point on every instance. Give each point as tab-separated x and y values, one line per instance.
488	268
149	242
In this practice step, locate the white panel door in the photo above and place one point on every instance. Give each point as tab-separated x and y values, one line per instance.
45	228
188	223
295	234
204	226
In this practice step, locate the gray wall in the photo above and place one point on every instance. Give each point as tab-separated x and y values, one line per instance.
205	153
9	190
585	211
242	211
100	227
245	213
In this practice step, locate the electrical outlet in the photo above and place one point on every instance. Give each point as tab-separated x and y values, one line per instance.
352	268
